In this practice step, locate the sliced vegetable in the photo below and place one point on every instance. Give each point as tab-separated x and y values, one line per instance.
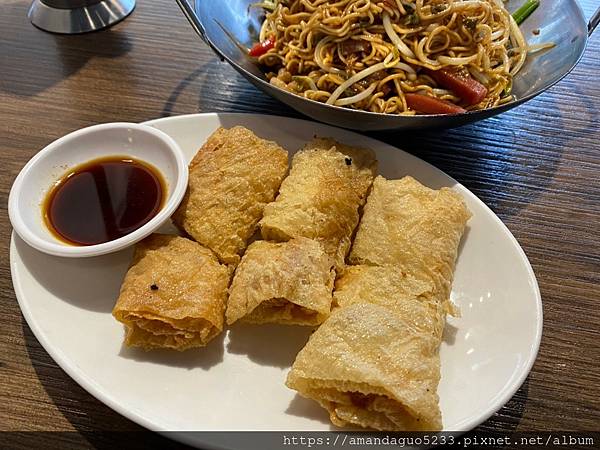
461	83
430	105
260	48
525	11
508	89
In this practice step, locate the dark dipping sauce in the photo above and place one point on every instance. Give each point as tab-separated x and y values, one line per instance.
103	199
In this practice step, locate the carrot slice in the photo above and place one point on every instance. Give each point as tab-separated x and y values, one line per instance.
461	83
430	105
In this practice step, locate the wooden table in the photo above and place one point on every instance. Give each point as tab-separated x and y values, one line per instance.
537	167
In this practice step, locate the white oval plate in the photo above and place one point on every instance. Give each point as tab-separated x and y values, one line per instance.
237	382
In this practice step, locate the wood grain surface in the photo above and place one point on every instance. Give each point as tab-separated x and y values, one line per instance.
537	167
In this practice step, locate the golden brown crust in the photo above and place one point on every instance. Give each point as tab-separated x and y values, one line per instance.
375	362
368	365
417	301
321	197
232	177
411	226
173	295
288	283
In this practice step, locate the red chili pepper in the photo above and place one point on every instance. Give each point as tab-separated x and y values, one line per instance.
462	84
260	48
430	105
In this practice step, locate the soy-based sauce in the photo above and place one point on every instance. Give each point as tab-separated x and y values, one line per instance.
103	199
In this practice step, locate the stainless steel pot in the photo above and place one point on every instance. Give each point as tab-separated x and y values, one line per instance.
221	23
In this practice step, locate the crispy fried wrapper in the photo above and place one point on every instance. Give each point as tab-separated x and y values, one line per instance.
288	283
416	301
232	177
411	226
173	295
369	365
321	197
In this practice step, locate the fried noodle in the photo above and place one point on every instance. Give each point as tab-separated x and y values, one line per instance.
367	54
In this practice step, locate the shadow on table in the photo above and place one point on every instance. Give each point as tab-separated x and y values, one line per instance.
34	60
96	425
222	89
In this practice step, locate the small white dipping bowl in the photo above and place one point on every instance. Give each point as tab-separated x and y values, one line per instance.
141	142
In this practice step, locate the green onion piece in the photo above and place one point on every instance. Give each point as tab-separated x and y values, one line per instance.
307	82
525	11
508	89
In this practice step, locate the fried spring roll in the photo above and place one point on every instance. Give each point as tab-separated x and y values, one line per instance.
320	198
375	361
232	177
287	283
370	365
173	295
411	226
417	301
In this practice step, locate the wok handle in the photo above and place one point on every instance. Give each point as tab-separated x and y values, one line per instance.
194	21
594	21
192	18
